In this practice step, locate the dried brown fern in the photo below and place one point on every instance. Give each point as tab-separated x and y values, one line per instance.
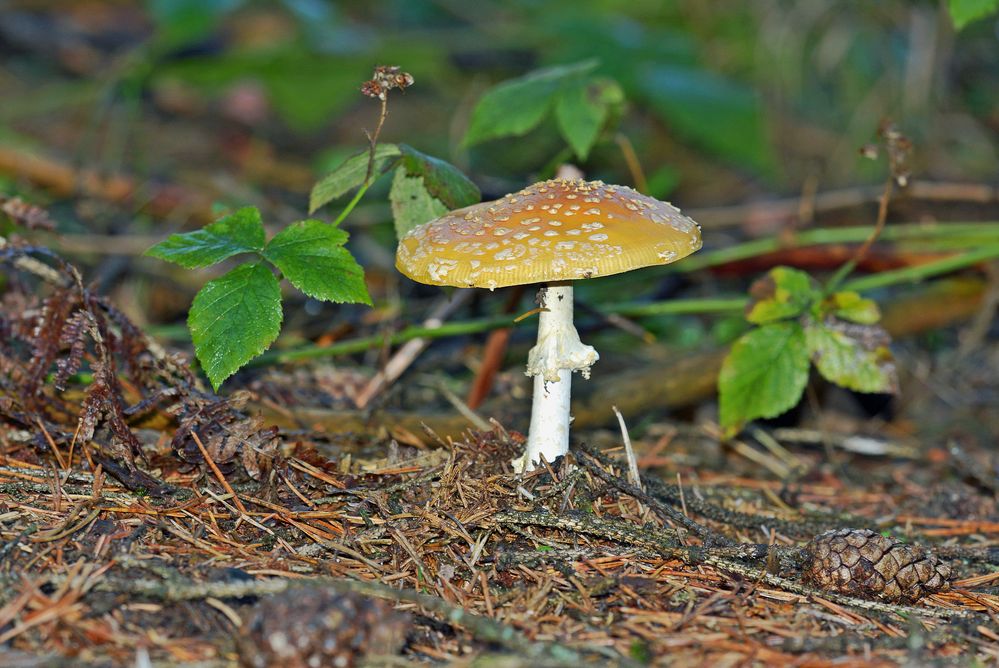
59	329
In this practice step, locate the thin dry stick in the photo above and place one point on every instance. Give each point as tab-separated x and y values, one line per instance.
631	159
838	200
52	444
588	458
897	147
373	138
408	353
633	476
882	219
848	267
683	498
469	414
218	474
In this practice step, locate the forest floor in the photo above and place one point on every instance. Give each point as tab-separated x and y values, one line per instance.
145	519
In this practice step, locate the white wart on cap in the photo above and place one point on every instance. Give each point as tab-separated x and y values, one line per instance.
557	230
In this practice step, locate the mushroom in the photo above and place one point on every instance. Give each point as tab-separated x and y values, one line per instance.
553	232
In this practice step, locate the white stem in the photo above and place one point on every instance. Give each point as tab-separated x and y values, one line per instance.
557	354
549	432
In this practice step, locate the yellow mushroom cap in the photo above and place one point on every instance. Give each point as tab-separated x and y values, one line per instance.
556	230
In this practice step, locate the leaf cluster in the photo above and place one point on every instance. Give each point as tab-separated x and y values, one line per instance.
423	187
237	316
799	325
583	104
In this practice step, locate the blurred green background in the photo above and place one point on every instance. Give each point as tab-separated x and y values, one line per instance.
240	102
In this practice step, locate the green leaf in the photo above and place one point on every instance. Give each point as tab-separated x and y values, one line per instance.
764	374
783	293
581	113
234	318
412	204
240	232
311	256
849	305
350	174
515	107
441	179
853	356
963	12
722	115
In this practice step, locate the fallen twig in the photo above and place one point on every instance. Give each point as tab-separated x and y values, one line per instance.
406	355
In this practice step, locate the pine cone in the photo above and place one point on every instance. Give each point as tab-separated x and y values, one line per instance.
864	563
306	626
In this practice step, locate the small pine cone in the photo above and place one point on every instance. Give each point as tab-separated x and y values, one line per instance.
864	563
306	627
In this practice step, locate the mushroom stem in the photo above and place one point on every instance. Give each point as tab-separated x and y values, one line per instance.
557	354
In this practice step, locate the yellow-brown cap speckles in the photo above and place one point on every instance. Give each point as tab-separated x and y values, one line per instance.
556	230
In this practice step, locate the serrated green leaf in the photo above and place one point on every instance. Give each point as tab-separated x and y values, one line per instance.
783	293
412	204
234	318
515	107
310	254
849	305
764	374
581	113
963	12
843	358
239	232
441	179
350	174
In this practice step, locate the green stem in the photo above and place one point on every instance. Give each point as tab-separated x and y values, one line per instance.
674	307
922	271
834	282
677	307
952	233
367	342
353	202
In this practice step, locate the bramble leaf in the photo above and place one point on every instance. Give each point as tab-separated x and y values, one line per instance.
849	305
239	232
412	204
764	374
350	174
783	293
963	12
311	255
515	107
581	113
853	356
234	318
441	179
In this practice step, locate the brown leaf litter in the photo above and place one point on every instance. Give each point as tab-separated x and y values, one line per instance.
143	517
